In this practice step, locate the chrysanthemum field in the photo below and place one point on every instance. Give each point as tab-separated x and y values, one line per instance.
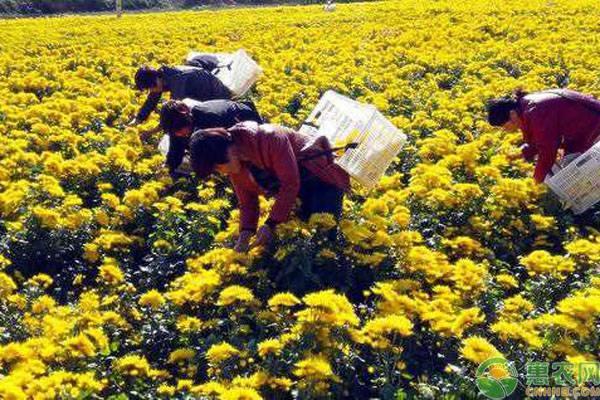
116	282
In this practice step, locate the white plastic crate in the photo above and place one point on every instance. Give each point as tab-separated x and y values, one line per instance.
163	145
578	184
329	7
343	121
239	72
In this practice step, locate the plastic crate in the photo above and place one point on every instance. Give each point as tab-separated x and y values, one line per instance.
238	71
343	121
578	184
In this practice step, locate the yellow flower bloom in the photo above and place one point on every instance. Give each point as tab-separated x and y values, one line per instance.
134	365
152	299
181	355
221	352
80	346
270	346
187	324
477	349
7	285
314	368
542	262
507	281
380	331
110	272
283	300
42	280
241	394
235	294
328	308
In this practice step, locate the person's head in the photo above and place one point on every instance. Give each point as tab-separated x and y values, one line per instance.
176	118
148	78
504	112
213	150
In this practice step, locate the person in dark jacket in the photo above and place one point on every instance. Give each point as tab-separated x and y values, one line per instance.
551	120
274	161
181	82
179	118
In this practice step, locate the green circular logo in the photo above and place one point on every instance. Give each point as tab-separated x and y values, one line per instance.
496	378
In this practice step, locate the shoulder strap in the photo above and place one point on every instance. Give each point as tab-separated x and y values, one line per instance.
330	151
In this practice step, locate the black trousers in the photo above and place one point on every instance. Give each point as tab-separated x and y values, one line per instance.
317	196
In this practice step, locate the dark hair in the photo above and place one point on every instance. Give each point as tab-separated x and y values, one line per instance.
499	109
146	78
175	115
208	148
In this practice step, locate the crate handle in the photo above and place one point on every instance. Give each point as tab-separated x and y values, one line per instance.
585	159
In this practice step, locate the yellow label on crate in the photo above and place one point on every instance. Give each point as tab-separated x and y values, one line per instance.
352	137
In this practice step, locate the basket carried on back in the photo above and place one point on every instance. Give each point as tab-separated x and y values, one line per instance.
344	121
238	71
578	184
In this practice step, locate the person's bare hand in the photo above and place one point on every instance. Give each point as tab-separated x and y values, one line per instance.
514	156
147	134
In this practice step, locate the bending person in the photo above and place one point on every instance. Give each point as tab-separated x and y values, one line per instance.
550	120
180	118
274	161
181	82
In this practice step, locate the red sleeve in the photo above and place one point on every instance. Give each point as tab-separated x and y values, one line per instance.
546	159
546	139
248	202
281	159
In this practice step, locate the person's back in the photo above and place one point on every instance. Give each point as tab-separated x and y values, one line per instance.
257	141
195	83
181	82
181	118
549	120
561	115
222	113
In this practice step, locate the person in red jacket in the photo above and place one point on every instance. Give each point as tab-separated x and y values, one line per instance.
551	120
274	161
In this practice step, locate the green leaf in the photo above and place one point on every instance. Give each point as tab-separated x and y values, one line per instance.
491	388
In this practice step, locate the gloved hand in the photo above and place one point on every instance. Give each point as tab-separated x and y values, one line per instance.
528	152
243	243
264	236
